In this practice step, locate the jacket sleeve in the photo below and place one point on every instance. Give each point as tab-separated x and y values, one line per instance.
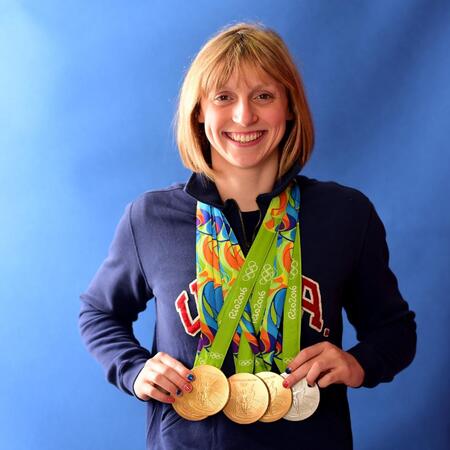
385	327
113	300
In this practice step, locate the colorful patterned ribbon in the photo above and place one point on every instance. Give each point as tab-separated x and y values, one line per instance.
254	288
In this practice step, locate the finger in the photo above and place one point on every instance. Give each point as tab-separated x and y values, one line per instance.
298	374
177	366
155	393
162	390
310	370
327	379
166	378
318	367
305	355
176	372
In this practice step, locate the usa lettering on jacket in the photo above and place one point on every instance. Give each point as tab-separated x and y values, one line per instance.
311	304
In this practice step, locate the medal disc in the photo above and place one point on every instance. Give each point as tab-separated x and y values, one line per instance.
249	398
210	392
186	411
280	398
305	400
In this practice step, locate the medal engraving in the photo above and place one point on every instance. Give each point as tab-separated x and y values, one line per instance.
249	398
245	398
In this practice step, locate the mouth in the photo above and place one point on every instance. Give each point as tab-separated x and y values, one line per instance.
245	138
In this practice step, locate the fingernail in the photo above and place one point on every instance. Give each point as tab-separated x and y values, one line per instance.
179	392
288	370
187	387
171	399
191	377
285	384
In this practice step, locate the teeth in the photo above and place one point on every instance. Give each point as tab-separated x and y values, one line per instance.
244	138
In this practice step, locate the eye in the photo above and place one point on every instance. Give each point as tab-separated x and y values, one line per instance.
221	98
264	96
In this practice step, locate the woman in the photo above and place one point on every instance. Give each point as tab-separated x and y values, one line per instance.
245	130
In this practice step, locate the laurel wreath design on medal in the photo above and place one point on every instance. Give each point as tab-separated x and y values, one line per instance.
250	271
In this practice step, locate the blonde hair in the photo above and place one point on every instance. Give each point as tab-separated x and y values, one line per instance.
227	51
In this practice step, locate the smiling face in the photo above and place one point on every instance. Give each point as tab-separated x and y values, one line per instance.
245	120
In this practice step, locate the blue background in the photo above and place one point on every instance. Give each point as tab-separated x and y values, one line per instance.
88	90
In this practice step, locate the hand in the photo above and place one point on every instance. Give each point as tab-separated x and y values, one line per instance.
162	378
326	364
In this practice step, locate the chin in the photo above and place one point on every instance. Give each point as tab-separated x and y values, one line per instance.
246	164
243	159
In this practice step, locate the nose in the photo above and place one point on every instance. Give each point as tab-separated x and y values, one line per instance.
244	113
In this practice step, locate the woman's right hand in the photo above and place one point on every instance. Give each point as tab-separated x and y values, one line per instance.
163	378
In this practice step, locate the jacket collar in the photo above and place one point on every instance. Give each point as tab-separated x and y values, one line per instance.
203	189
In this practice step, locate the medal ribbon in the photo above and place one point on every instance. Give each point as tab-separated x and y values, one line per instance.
254	287
287	343
284	299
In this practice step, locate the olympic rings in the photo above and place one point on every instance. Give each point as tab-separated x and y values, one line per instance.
294	269
250	271
267	274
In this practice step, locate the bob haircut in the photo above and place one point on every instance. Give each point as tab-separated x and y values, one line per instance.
231	49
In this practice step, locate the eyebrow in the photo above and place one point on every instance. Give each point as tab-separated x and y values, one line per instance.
256	88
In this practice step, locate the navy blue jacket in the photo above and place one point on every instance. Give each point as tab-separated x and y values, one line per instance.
345	266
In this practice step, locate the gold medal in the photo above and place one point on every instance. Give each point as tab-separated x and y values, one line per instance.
249	398
210	392
185	410
280	398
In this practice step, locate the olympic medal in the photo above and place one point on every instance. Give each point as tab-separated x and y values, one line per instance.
210	392
186	411
249	398
280	398
305	400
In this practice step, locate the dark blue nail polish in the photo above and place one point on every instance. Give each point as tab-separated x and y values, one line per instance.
178	392
191	377
288	370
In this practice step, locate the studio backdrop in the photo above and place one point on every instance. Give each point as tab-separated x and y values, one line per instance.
88	91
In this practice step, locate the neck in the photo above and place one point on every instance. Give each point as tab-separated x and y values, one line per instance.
244	185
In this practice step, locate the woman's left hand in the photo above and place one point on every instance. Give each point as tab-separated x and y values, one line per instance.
325	364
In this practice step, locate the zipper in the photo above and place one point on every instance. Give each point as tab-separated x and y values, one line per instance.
243	229
255	231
